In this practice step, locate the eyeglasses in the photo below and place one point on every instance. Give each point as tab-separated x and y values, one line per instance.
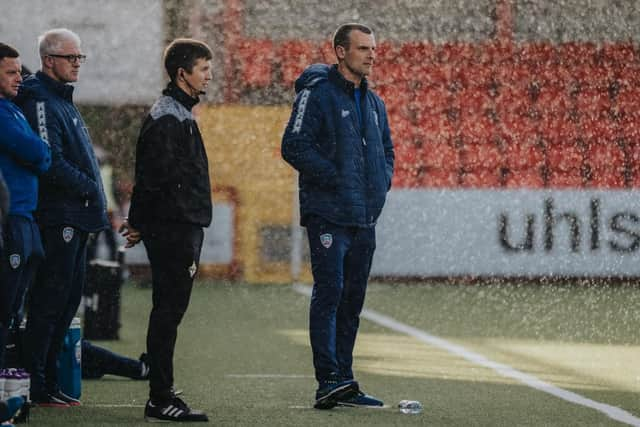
71	58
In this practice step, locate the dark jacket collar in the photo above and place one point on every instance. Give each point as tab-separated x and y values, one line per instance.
63	90
181	96
337	78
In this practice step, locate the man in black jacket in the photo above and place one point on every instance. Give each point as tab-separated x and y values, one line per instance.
170	204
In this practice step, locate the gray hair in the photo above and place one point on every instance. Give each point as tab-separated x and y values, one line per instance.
50	41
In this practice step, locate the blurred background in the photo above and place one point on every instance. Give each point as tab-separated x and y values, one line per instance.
515	125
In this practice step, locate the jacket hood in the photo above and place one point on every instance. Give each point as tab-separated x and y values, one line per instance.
312	75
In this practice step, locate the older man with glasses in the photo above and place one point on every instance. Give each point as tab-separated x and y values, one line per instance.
71	205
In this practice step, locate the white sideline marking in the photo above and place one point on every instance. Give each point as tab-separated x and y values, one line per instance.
268	376
112	405
612	412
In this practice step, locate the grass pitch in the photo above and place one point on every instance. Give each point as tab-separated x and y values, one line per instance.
243	356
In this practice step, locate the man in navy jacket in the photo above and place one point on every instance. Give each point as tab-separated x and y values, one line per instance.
338	139
71	205
23	157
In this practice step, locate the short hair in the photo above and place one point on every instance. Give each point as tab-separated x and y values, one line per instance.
341	36
183	53
51	41
7	51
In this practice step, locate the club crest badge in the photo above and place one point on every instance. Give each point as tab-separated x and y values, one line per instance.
326	240
67	234
193	269
14	261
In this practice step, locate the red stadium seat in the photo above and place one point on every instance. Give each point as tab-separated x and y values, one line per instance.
602	155
558	126
481	179
575	53
419	53
436	128
327	54
618	54
459	52
295	56
564	156
599	127
255	58
439	178
536	54
523	155
513	99
518	128
431	100
482	156
443	156
524	178
477	127
593	102
607	178
495	52
566	179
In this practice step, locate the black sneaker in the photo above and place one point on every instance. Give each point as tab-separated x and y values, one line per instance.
47	400
65	398
175	410
334	389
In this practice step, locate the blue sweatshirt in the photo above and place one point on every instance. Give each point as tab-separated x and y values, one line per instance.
23	156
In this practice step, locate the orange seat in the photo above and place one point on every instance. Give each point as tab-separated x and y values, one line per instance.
524	178
255	60
295	56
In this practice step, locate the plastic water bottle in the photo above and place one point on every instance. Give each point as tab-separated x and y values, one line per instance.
69	361
410	406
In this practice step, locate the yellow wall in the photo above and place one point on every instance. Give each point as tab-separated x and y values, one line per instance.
243	146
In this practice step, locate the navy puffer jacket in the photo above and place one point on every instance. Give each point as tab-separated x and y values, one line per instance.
345	166
71	190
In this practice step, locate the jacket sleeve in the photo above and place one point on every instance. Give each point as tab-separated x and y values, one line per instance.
300	141
62	173
22	144
155	171
387	144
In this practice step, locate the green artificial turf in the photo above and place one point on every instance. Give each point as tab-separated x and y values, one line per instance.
243	357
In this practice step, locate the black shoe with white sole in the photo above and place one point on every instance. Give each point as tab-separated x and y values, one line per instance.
175	410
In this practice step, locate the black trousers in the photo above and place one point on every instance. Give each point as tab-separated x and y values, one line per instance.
55	296
174	255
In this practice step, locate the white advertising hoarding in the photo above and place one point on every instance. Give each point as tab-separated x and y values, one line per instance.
439	233
123	41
